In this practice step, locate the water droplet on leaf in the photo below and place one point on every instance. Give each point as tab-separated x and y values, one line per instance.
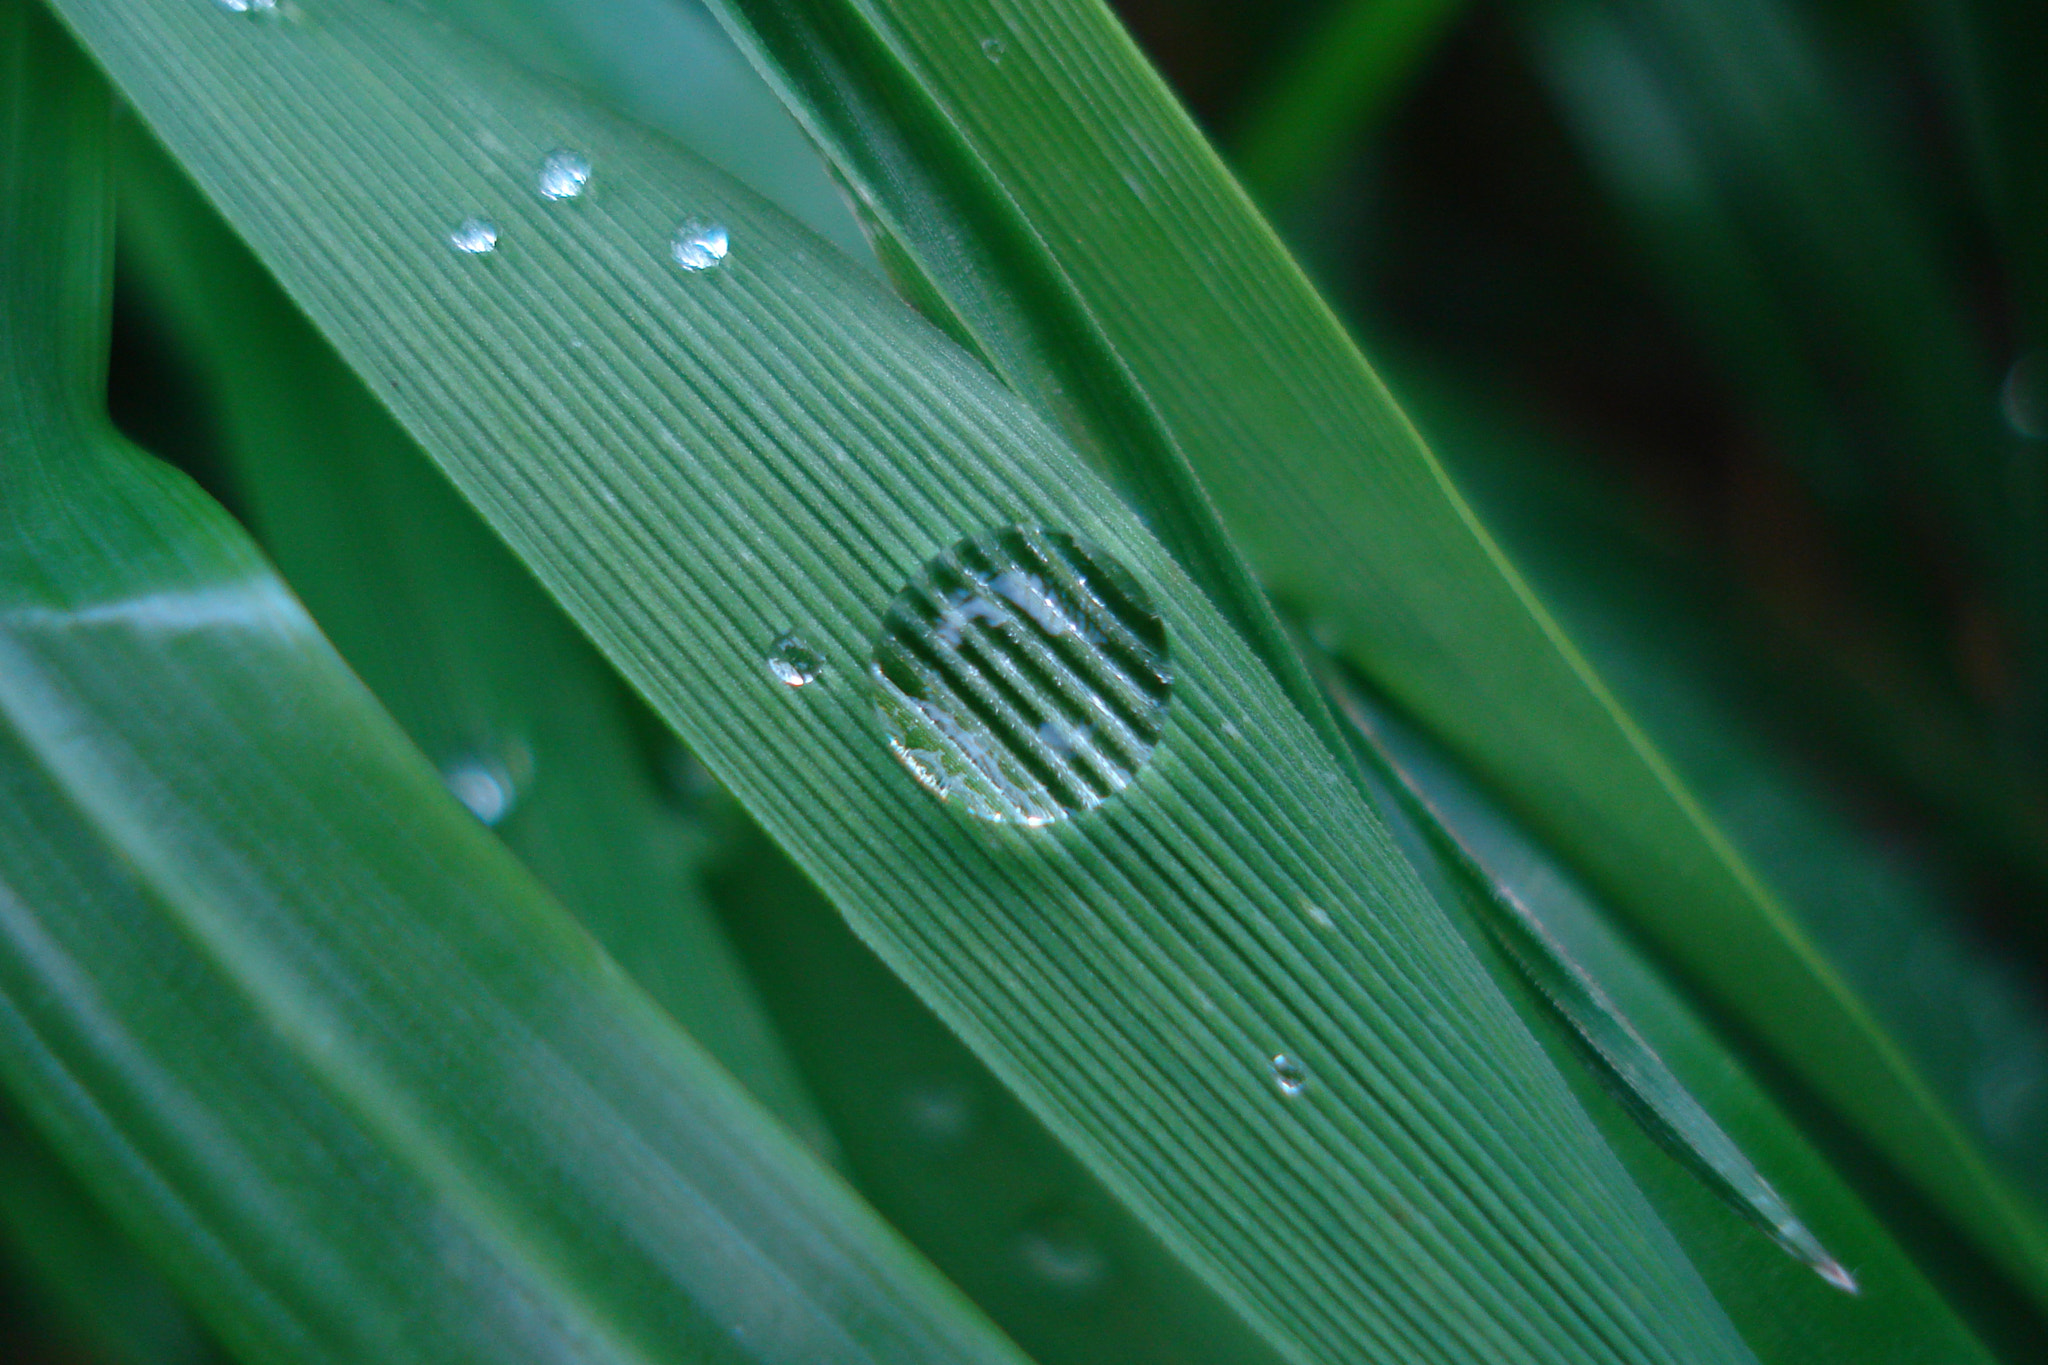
699	244
1022	676
940	1114
792	662
1056	1250
476	236
993	49
488	781
1288	1075
563	174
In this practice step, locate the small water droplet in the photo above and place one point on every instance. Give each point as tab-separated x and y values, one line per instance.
1288	1074
941	1114
1318	916
993	48
2024	396
563	174
792	662
260	9
1022	676
488	781
700	244
1057	1250
476	236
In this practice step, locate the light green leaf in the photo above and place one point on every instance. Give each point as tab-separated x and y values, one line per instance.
697	461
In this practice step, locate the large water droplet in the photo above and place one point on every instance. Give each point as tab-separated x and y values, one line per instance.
794	663
563	174
700	244
477	236
1023	676
1289	1076
2024	397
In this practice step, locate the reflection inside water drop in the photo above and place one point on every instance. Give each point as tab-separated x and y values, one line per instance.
563	174
475	236
699	244
1289	1077
792	662
1022	676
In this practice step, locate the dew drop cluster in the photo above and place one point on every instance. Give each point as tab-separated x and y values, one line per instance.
1022	676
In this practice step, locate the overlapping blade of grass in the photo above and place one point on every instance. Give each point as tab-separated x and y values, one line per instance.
454	637
286	1009
1785	1312
1033	131
90	1285
696	461
1892	916
951	1158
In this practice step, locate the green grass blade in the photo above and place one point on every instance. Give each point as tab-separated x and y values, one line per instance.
449	631
1340	80
1729	133
1067	167
1497	861
953	1159
665	64
771	445
1785	1312
90	1282
304	1026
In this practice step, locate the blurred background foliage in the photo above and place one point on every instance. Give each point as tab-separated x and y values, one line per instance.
1732	317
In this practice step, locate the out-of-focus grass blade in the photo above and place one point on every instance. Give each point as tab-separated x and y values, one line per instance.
1343	76
698	453
525	722
1785	1312
951	1158
1797	236
91	1283
287	1010
1021	150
